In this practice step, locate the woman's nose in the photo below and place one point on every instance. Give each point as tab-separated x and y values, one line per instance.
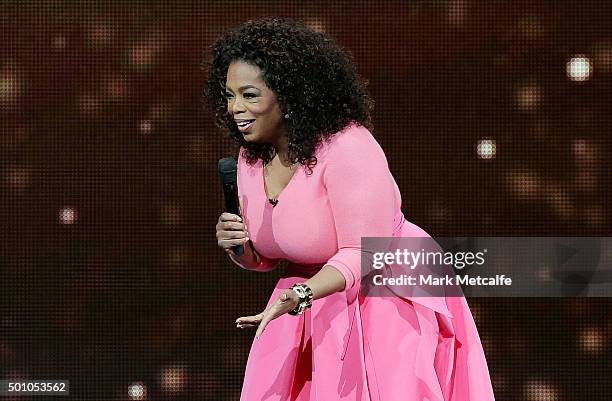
236	106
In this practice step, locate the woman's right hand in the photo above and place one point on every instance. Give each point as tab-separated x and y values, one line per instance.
231	231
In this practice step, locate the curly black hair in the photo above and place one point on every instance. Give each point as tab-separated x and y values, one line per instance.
315	81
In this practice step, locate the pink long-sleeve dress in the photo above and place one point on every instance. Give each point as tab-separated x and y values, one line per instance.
349	346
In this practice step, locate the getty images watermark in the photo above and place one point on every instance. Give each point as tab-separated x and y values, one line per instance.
410	260
487	266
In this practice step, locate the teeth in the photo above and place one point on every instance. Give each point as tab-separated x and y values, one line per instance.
245	123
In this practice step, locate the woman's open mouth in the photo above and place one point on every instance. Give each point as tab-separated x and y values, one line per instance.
243	126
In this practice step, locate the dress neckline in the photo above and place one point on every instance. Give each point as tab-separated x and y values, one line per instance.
263	183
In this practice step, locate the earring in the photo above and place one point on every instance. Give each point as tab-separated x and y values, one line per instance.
286	116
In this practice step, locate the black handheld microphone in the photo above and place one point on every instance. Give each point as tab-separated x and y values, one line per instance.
227	170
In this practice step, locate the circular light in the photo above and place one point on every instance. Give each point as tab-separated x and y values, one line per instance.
579	68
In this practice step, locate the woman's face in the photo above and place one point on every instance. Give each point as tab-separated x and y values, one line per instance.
248	98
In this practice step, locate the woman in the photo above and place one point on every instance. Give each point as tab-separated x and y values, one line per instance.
312	181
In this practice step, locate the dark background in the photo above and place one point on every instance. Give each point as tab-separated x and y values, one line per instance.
110	275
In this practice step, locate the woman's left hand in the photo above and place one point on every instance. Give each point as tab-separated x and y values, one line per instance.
287	301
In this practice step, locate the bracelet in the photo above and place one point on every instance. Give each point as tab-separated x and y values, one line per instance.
305	294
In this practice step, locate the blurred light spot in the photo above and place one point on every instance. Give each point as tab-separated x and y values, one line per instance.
500	383
143	54
543	274
584	151
68	216
456	11
146	52
89	104
155	114
18	178
172	379
159	111
486	148
100	35
60	42
560	201
175	263
316	23
602	56
9	321
137	391
11	85
529	97
579	69
146	126
115	88
539	390
592	340
524	184
171	214
578	308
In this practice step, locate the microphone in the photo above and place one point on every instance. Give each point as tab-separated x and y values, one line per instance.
273	201
227	170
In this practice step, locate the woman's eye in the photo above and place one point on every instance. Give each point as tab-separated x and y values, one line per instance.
246	96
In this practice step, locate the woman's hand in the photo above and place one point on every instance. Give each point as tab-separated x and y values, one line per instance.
287	301
231	231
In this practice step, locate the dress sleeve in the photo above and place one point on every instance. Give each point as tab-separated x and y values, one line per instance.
361	196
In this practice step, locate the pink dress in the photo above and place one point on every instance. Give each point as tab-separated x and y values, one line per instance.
347	346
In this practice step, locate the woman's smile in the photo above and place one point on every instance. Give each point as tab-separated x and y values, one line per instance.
244	125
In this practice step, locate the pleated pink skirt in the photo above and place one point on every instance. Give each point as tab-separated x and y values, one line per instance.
395	350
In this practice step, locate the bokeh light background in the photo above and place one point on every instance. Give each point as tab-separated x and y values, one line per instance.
495	117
